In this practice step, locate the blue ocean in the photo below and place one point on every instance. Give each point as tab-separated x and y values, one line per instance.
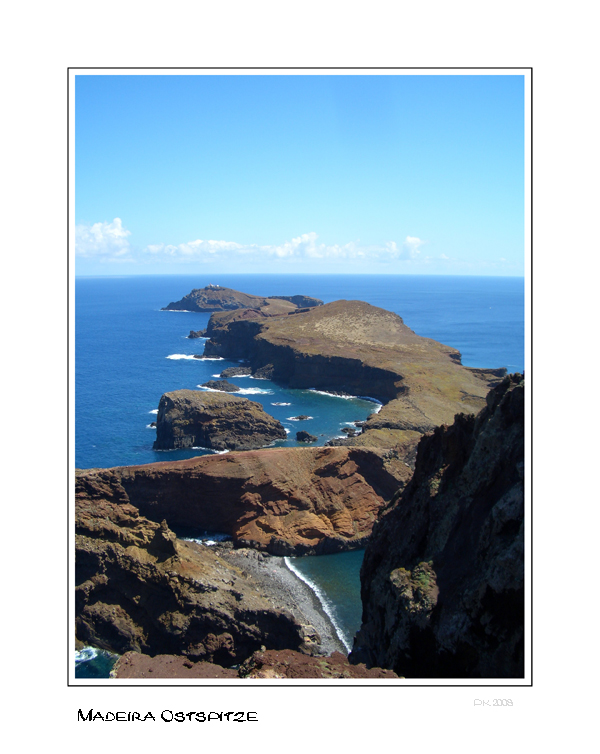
128	353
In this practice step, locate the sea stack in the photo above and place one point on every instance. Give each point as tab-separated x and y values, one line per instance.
194	418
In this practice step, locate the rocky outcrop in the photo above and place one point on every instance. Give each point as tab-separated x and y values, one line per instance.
443	574
138	588
198	418
197	334
222	385
286	501
289	664
138	665
304	436
267	663
304	302
215	298
354	348
236	372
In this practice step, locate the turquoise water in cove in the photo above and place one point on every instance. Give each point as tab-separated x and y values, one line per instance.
128	353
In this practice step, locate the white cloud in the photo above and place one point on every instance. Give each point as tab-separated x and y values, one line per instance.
110	242
411	247
102	240
305	246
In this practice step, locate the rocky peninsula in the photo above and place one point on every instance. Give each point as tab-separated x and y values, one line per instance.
354	348
443	573
217	420
215	298
442	579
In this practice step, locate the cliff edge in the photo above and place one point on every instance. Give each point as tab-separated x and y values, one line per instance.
442	581
358	349
138	588
286	501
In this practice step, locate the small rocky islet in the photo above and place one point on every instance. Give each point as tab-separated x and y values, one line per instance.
432	485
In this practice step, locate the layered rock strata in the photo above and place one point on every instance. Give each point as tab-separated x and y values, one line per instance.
443	574
198	418
354	348
215	298
286	501
140	589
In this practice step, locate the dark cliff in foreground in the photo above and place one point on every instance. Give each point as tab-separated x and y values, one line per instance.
443	574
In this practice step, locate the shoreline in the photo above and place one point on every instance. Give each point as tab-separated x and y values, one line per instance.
288	592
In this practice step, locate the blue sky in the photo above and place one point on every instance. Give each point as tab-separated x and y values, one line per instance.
281	173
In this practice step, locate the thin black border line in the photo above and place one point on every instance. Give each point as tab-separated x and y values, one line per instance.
312	685
301	68
69	638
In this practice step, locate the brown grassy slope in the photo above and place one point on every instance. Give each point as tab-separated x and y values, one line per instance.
362	349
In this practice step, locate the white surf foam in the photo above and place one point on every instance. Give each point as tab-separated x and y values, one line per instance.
208	539
209	450
348	397
176	356
254	391
85	654
281	404
326	604
154	411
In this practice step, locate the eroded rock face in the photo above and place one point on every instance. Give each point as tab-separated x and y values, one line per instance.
283	500
197	418
354	348
443	574
140	589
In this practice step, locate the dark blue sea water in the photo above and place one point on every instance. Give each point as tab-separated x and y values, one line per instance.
128	353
